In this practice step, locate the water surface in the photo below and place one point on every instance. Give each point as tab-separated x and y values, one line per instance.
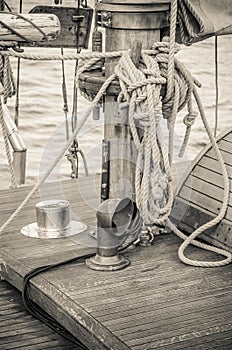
41	106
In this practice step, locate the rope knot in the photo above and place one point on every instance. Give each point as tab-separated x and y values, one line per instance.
190	118
140	84
164	46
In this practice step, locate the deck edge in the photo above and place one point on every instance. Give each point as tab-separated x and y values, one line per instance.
42	292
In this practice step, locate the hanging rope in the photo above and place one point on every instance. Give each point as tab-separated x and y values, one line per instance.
191	239
141	92
170	73
189	120
8	90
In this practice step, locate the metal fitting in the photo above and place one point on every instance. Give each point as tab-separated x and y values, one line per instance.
106	19
114	217
53	221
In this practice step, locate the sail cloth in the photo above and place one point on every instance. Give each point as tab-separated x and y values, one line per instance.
201	19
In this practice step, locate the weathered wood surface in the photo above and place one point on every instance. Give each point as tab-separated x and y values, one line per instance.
155	303
19	330
74	32
200	197
46	27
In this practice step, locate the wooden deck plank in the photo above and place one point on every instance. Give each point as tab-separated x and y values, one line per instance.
19	330
144	306
204	340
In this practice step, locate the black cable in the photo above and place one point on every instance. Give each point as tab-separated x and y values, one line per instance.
40	314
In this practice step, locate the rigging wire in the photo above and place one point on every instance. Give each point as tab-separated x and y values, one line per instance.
74	150
65	99
75	145
74	107
216	86
16	118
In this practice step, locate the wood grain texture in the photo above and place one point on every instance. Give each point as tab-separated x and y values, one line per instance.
19	330
155	303
45	27
200	196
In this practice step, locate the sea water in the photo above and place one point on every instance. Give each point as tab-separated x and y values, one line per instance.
41	120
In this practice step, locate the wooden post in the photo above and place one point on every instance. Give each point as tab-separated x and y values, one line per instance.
29	27
139	23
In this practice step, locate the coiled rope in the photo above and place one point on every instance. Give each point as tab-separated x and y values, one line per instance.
189	120
191	239
141	92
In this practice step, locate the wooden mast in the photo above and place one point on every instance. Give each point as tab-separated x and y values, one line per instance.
126	23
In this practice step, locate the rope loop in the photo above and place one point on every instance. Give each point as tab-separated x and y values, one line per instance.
190	118
158	88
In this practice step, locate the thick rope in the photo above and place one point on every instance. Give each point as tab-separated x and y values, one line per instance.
81	56
189	120
141	90
170	72
191	239
184	21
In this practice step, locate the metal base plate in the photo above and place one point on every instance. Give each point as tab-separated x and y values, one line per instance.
32	230
102	263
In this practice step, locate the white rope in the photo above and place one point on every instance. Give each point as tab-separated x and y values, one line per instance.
191	239
141	90
190	118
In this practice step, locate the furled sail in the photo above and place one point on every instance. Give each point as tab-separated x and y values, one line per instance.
200	19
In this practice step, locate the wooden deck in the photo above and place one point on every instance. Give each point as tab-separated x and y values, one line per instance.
155	303
19	330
